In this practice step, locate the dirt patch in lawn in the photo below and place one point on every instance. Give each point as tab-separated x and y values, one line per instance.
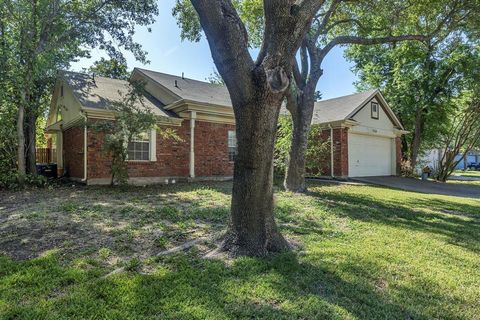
117	224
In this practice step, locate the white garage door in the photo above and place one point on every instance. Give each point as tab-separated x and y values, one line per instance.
369	156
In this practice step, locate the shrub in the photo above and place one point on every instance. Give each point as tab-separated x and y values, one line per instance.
11	181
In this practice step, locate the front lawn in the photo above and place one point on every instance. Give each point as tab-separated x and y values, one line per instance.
366	253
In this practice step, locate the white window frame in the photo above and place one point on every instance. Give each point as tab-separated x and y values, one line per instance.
376	113
232	144
150	138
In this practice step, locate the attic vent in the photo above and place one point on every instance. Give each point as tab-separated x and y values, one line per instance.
176	84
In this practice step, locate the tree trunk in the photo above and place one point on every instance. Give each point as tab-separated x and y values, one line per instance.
252	230
257	89
417	138
295	171
21	143
31	142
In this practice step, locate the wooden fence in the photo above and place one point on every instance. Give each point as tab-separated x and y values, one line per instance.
44	155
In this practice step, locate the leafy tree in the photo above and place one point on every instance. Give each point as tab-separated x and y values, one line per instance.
46	35
420	81
317	154
463	136
110	68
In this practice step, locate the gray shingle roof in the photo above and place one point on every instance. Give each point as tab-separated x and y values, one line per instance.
190	89
101	93
338	109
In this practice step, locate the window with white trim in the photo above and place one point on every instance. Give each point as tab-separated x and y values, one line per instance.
139	148
375	110
232	145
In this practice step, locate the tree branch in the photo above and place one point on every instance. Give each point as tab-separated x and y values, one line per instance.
228	39
368	41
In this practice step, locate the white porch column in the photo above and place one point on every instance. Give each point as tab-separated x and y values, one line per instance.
59	149
193	116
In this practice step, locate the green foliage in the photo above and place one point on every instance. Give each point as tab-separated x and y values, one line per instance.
13	181
110	68
317	154
250	11
215	78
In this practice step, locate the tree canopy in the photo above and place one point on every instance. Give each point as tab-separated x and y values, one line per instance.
110	68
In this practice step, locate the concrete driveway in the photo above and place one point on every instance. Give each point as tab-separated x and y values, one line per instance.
416	185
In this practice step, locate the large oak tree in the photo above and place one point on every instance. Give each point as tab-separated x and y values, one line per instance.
257	89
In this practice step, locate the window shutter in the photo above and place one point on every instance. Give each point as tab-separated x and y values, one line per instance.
153	145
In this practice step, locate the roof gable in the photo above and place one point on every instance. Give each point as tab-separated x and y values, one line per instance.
344	108
100	93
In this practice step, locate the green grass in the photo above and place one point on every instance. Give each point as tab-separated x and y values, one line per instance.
366	253
468	173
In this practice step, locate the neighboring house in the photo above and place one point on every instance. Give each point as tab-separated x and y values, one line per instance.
365	130
431	158
366	135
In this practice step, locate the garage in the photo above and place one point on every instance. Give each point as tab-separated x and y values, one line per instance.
369	155
363	133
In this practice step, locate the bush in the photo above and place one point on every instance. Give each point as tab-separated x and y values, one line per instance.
11	181
318	151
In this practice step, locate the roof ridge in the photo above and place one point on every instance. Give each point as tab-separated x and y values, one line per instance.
90	76
182	78
349	95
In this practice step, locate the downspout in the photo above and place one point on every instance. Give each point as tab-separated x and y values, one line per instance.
331	152
193	116
85	149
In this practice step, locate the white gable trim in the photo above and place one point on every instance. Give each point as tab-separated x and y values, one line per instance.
377	94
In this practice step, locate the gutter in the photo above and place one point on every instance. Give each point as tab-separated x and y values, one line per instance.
331	152
85	149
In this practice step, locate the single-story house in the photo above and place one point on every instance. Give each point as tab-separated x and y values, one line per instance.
365	130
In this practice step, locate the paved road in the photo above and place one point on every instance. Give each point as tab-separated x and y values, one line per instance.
411	184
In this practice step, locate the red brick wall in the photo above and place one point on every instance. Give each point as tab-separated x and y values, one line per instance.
73	139
211	149
211	154
340	153
398	144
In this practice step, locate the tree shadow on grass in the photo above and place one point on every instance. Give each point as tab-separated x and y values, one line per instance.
186	287
460	224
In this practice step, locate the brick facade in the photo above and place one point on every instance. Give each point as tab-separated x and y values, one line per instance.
211	149
73	139
340	157
211	154
340	154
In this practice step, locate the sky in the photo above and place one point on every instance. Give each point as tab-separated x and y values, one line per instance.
169	54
